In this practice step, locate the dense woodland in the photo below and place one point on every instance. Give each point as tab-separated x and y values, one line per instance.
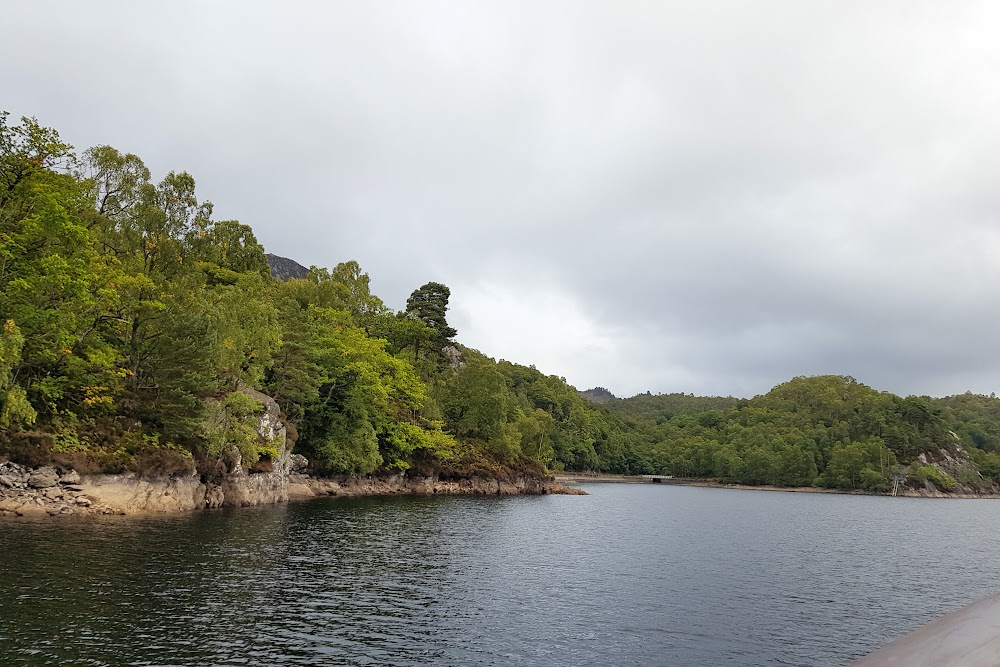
132	321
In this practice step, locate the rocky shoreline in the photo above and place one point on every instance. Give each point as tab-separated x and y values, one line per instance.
41	491
904	492
47	491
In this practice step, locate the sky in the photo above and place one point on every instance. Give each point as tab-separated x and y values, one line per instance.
669	196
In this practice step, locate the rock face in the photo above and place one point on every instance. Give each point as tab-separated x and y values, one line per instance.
283	268
240	488
454	356
130	494
303	486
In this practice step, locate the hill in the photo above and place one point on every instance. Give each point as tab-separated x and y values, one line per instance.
661	407
598	395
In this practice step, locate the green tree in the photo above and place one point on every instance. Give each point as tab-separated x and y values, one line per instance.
429	304
15	409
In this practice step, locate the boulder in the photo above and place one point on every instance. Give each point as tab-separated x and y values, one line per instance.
43	478
297	463
11	504
71	477
31	510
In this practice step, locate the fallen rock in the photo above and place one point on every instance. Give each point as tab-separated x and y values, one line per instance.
7	481
71	477
43	477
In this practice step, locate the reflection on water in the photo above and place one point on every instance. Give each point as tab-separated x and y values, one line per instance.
631	575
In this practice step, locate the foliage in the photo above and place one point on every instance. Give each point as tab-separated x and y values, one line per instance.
428	305
923	474
15	409
228	427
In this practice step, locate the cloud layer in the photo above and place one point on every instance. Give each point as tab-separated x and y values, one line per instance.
673	196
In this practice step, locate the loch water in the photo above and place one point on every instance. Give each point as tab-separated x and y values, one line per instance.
629	575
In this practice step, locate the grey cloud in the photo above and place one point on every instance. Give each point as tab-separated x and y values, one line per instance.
723	195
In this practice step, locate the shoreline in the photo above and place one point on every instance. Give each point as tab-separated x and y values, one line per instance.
44	491
573	479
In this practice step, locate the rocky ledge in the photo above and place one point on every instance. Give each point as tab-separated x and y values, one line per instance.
303	486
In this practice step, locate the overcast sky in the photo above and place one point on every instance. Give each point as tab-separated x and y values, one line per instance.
707	197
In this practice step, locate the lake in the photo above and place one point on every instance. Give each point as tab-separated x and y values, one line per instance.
630	575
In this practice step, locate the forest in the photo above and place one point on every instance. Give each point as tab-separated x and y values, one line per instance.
133	320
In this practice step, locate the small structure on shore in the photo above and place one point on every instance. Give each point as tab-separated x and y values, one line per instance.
656	479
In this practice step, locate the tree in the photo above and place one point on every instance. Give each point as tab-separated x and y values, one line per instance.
429	304
54	284
228	245
115	181
14	406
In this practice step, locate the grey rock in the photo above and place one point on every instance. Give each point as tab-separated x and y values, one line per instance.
454	356
297	463
283	268
71	477
7	481
43	478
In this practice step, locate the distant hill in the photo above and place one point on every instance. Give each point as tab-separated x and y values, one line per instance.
283	268
598	395
661	407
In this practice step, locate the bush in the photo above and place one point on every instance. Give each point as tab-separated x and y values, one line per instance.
932	474
873	480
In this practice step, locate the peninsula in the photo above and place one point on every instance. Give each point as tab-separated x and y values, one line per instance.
154	358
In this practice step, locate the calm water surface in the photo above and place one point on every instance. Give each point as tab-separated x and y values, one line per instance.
630	575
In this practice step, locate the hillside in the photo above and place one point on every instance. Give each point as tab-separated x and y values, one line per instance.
598	395
138	333
661	407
